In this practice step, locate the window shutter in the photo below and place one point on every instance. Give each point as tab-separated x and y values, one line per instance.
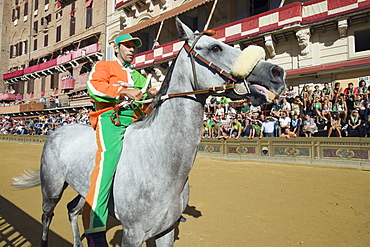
59	33
11	51
89	16
36	26
46	40
20	49
20	87
72	27
26	9
15	51
31	84
25	47
54	80
43	83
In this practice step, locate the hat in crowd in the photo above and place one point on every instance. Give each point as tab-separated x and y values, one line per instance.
125	38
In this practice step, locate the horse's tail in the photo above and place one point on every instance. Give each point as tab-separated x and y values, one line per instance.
28	179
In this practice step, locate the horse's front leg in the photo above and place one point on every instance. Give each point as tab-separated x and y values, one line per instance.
166	238
132	238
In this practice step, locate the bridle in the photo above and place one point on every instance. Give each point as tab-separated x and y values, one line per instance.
194	55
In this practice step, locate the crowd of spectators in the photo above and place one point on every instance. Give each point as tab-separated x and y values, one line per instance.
330	111
42	124
16	102
327	111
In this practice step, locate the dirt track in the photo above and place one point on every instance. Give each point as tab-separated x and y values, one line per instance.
231	204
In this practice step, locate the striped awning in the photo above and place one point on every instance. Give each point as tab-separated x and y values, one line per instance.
161	17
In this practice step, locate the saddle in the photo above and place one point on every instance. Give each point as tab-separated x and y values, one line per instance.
102	107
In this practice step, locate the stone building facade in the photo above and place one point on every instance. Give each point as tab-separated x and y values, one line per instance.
5	21
50	47
315	41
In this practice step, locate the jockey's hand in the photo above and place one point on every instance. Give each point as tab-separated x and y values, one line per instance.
153	91
134	94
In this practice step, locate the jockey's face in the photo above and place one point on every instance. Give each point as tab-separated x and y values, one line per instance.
127	51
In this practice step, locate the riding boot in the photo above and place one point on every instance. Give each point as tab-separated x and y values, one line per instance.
96	239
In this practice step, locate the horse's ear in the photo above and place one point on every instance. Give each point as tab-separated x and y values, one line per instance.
185	33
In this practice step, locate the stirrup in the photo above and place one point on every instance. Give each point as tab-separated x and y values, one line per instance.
96	239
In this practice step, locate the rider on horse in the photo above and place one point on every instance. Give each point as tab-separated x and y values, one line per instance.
109	83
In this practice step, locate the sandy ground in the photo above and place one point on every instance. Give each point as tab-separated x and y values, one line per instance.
231	204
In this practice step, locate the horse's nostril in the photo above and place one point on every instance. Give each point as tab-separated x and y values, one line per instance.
276	72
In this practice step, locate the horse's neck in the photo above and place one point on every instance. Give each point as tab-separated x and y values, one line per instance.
184	111
180	118
182	79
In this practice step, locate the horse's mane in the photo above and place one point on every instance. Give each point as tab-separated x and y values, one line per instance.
157	101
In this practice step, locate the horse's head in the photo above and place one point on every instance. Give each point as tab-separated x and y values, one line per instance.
217	64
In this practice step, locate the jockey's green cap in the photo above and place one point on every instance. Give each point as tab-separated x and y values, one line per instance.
125	38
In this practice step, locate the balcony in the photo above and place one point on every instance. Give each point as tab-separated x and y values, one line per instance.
7	96
48	64
68	83
64	58
80	53
32	69
13	74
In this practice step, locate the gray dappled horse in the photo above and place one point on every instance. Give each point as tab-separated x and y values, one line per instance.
150	189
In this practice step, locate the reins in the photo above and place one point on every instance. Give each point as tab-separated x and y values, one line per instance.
129	104
195	92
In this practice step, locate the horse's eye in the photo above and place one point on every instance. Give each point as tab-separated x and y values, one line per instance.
216	48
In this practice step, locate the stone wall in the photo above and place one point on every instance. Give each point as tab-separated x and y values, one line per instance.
26	139
347	152
316	151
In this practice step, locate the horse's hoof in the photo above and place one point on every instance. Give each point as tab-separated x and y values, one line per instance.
44	243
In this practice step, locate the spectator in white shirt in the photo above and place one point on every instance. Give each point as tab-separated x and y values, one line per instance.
285	105
267	128
284	121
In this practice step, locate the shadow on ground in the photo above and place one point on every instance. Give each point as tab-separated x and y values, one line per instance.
17	228
117	238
